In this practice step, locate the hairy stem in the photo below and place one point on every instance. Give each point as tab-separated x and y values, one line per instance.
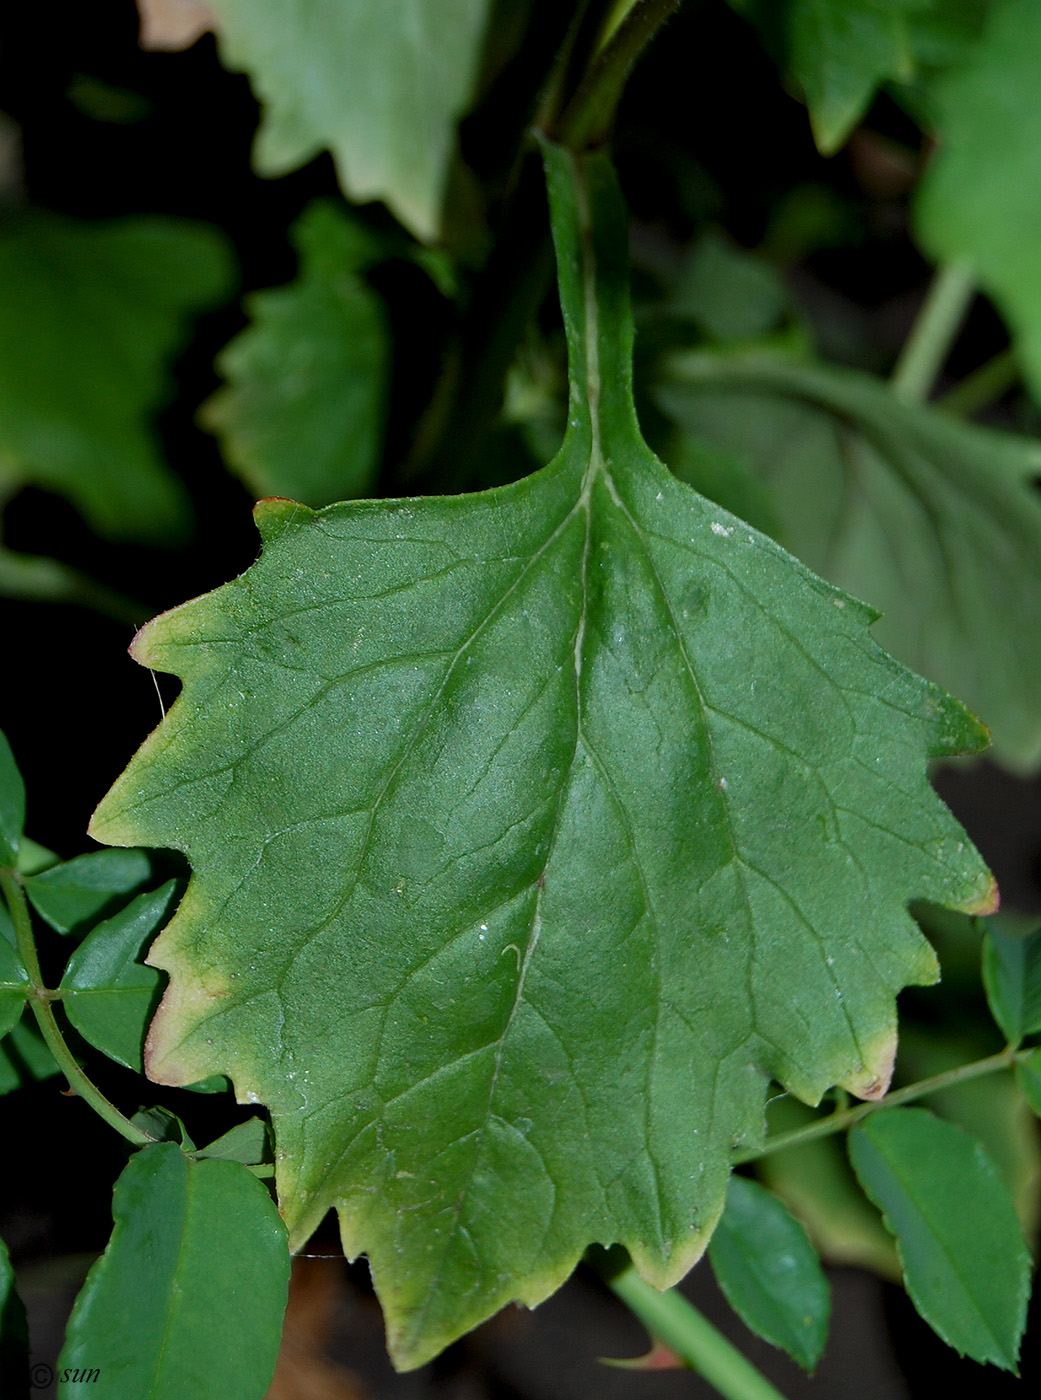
40	1001
934	332
848	1117
685	1331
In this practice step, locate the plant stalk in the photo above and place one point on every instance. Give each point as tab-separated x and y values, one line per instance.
691	1336
848	1117
933	333
40	1001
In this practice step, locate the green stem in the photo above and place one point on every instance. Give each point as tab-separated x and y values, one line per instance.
691	1336
587	118
40	1001
983	386
933	333
849	1117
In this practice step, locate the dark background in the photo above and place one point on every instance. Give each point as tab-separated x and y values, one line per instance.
706	132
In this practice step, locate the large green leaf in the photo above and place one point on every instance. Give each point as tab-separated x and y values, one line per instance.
109	995
188	1297
935	522
381	86
302	413
965	1264
768	1269
980	200
532	832
90	315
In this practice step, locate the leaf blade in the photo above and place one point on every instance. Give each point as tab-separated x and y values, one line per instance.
965	1264
1012	978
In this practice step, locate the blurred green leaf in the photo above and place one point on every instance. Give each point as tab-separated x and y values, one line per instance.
248	1142
14	1334
1012	977
965	1264
381	86
24	1057
303	411
980	199
187	1299
816	1183
768	1269
78	892
90	316
728	293
12	805
110	996
924	517
1028	1077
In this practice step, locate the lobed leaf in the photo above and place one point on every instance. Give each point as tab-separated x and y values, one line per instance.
90	315
768	1269
1012	977
302	414
935	522
110	996
189	1295
533	832
961	1247
380	86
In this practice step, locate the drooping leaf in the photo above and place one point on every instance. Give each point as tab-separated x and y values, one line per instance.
75	894
380	86
12	805
24	1057
246	1142
302	414
14	1333
936	523
817	1185
110	996
1028	1077
839	52
1012	977
532	832
90	315
980	200
965	1264
189	1295
768	1269
14	986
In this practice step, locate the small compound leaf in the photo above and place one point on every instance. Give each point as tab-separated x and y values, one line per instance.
934	522
960	1243
90	316
189	1295
768	1269
14	1334
24	1057
1012	977
1028	1077
980	199
302	414
75	894
12	805
247	1142
381	86
603	808
164	1126
14	986
110	996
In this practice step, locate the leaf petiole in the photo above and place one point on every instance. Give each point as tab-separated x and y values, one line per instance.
847	1118
933	333
40	999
